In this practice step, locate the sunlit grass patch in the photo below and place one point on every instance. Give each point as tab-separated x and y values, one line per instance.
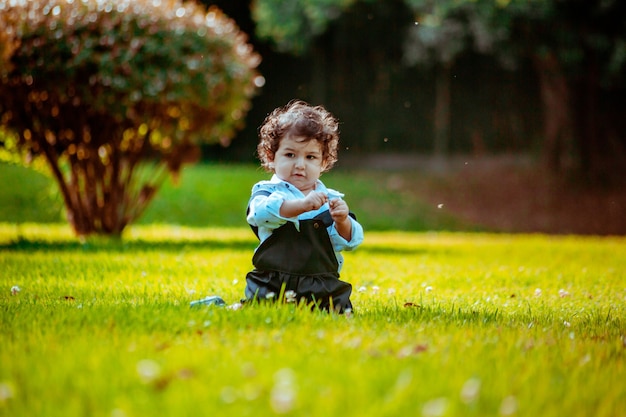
444	324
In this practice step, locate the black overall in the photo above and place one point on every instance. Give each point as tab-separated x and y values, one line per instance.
302	261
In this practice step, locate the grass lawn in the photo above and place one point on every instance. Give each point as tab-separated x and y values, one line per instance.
445	324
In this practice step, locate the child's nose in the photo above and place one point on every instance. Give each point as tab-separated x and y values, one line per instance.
300	162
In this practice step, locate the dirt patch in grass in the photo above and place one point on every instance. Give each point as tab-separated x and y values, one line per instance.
506	194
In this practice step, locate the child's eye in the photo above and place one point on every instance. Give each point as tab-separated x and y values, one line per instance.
289	154
311	157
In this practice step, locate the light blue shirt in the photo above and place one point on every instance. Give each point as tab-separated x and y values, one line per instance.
264	212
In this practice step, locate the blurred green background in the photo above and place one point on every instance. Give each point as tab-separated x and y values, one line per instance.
217	194
455	115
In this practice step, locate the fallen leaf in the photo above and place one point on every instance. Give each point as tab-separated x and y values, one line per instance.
410	304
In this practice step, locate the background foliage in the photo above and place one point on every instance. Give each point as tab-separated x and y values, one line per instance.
453	77
116	95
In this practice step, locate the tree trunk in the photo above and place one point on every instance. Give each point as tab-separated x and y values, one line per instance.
97	201
573	121
318	75
74	216
441	145
597	159
555	97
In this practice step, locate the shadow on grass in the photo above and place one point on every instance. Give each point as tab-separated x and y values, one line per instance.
27	245
122	246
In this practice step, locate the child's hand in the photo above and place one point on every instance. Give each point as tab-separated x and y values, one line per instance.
312	201
339	210
315	200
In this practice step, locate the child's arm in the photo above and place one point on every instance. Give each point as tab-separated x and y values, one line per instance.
339	211
293	208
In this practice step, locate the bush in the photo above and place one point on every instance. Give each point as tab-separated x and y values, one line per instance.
116	95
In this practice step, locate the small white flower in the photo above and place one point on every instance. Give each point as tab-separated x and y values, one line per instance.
290	296
537	292
440	205
435	408
235	306
391	291
6	391
362	288
15	290
270	295
235	281
428	289
563	293
228	395
508	406
567	323
375	289
118	412
285	391
470	390
148	370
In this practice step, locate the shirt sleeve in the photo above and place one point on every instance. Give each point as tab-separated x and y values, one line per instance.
340	244
264	211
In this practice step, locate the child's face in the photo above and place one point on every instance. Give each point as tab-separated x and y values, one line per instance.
299	163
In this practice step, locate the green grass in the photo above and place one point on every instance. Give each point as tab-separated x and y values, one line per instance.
445	324
27	196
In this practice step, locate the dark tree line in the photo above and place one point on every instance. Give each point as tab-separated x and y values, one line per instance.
452	76
114	97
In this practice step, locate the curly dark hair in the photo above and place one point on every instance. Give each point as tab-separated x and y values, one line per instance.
299	119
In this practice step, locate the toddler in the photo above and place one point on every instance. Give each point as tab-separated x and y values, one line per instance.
302	226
